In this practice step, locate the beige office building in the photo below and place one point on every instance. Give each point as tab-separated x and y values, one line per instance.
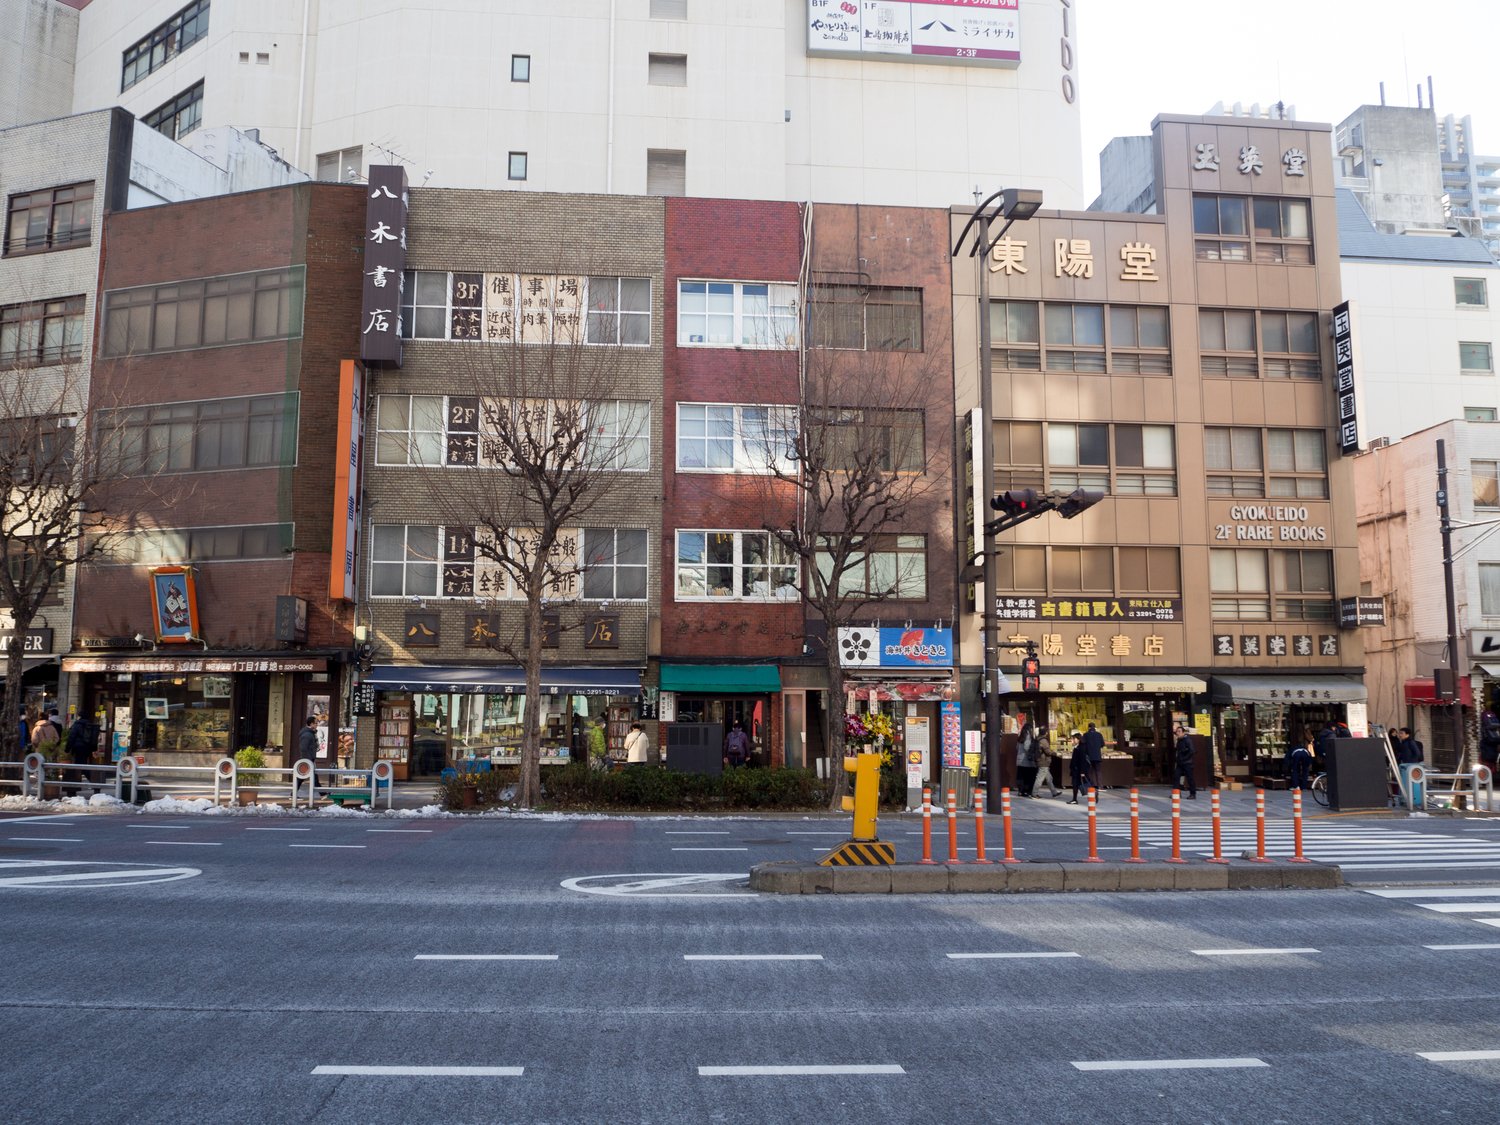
1182	362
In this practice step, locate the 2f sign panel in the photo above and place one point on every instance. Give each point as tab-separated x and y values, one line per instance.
956	32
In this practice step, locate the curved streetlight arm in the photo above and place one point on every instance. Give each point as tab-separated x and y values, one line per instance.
974	218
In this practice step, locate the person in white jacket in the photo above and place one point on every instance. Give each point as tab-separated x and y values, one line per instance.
637	745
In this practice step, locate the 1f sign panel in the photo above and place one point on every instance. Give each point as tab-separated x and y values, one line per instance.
957	32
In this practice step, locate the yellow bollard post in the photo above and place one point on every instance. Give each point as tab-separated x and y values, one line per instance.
862	847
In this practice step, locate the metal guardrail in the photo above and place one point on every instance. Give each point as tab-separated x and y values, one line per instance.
299	782
1480	776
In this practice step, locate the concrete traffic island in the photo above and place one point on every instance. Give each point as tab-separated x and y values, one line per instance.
790	877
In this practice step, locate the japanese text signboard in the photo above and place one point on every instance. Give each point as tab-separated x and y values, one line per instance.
957	32
1345	366
1024	608
385	261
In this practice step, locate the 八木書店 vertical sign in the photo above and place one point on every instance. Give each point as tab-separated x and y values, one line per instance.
385	263
1346	375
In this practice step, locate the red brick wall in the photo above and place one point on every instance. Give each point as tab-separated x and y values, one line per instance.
320	226
725	240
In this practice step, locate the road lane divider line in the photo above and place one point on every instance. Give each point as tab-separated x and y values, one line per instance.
710	849
485	957
404	831
671	832
427	1071
1006	956
189	843
1491	946
1172	1064
326	845
1457	1056
1248	952
165	827
278	830
52	839
752	957
788	1071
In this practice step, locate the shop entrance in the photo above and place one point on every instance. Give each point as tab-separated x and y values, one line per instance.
108	700
750	711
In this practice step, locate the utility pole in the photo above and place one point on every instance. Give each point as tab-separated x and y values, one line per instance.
1455	705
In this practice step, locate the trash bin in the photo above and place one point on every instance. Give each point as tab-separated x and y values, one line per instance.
1357	774
961	781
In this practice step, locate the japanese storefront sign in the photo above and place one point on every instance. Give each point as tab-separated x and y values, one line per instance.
1346	368
952	736
1354	612
1269	523
198	665
1093	609
385	263
543	308
1089	644
963	32
1278	644
174	603
1249	161
291	619
601	630
346	481
868	647
422	630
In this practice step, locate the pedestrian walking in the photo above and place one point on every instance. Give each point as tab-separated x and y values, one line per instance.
83	740
1093	746
736	746
1489	737
1026	757
1044	767
1187	754
1410	754
45	736
307	745
637	746
1078	764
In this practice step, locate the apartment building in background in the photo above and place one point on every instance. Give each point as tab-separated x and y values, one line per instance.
788	99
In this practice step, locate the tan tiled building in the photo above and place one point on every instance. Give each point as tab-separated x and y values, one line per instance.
1181	362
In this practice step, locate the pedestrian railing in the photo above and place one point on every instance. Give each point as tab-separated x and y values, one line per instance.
224	779
1460	785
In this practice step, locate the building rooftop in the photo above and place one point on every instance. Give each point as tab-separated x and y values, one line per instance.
1360	241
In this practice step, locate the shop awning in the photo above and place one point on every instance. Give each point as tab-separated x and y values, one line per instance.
1064	683
711	679
28	663
503	679
1490	670
1422	693
1286	689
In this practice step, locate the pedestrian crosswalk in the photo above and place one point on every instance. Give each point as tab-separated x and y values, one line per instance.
1483	900
1352	847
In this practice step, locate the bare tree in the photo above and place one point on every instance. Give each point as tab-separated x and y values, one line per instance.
550	421
65	497
856	466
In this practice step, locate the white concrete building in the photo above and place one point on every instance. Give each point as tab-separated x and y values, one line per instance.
1471	183
702	97
1428	325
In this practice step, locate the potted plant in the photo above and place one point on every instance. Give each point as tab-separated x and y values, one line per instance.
53	752
248	760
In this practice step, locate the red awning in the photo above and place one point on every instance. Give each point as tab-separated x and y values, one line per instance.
1421	693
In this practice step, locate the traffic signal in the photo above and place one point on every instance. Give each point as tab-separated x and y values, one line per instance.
1017	501
1031	674
1077	501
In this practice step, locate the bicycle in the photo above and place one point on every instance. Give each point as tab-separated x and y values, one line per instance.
1320	789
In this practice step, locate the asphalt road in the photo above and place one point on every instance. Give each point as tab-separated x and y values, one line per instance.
202	970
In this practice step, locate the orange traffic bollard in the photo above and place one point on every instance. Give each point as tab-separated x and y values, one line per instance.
1176	856
926	825
1135	826
1093	831
1260	826
953	828
979	827
1297	856
1218	847
1010	854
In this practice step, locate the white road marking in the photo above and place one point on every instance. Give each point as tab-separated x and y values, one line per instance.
485	957
1004	956
752	957
1460	907
165	827
783	1071
1437	892
138	872
1461	947
408	831
1170	1064
1487	921
671	833
658	885
1457	1056
189	843
53	839
1244	952
278	830
710	849
833	834
326	845
427	1071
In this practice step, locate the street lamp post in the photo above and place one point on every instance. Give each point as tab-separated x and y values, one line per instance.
1015	204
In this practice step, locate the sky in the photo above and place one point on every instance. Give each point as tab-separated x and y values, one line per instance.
1326	57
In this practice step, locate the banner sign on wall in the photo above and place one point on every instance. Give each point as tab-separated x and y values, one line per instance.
1345	366
174	603
956	32
869	647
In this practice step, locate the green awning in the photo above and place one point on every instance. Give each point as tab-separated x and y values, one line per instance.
715	678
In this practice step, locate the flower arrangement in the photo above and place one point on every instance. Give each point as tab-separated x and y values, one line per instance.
869	729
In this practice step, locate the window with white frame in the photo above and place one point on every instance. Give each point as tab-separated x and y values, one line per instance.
734	566
1241	587
1475	359
409	430
620	431
724	438
887	566
728	314
1489	589
614	563
404	561
1470	291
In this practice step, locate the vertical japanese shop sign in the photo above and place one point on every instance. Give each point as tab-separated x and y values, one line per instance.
385	261
346	478
1345	367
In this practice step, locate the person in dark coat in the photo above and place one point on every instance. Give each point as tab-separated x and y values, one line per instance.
1186	752
1489	738
1093	748
1026	757
1299	760
1079	764
736	746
